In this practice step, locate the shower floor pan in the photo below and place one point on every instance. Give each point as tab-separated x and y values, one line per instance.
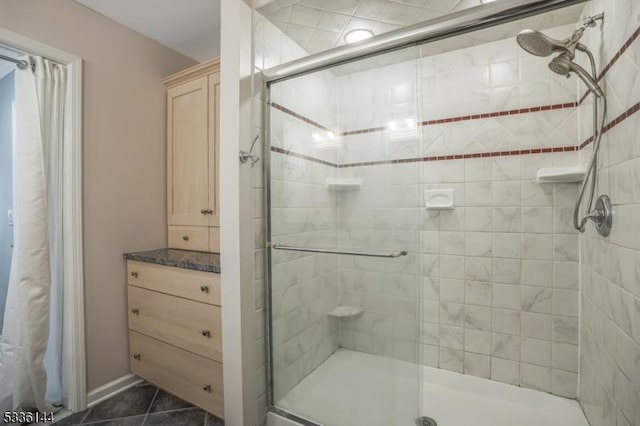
357	389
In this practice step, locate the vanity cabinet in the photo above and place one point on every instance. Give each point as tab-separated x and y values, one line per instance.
175	331
193	117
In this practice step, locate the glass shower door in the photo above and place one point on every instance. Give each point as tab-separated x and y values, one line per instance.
344	219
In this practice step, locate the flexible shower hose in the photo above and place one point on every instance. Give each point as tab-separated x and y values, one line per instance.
592	169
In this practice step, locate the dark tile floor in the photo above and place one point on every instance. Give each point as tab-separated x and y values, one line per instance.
142	405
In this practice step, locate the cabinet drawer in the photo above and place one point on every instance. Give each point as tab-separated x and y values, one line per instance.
186	375
190	325
189	238
214	240
196	285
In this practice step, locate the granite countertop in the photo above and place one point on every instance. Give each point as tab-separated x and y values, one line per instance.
200	261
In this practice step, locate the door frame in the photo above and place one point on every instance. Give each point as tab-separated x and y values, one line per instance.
74	361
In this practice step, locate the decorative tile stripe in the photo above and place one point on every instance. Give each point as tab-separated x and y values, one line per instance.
463	156
613	60
299	116
628	113
613	123
302	156
472	117
432	122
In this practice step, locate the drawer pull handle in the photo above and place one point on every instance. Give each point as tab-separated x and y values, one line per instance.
135	311
185	237
136	357
206	333
134	274
204	211
207	388
204	288
209	211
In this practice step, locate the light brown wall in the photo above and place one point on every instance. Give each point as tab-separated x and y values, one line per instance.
124	156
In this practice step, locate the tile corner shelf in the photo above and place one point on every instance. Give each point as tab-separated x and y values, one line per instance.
561	174
345	312
343	184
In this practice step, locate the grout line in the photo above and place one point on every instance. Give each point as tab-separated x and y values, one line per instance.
108	420
155	395
85	415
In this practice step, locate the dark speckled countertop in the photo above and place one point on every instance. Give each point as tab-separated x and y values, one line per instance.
200	261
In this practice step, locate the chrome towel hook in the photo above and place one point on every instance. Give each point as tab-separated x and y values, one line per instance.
248	156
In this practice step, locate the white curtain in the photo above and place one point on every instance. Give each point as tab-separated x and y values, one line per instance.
31	342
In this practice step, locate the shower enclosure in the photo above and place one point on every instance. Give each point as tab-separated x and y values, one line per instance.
408	239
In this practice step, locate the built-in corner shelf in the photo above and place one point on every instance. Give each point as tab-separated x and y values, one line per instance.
345	312
343	184
561	174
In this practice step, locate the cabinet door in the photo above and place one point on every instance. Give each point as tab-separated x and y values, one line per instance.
214	149
187	153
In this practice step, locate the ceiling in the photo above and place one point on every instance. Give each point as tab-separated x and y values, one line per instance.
318	25
193	31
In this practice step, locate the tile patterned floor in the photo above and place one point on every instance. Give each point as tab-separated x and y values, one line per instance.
142	405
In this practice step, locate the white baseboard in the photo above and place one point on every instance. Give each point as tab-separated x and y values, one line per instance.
112	388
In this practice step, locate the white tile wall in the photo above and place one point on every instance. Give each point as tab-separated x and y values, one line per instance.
305	287
610	268
500	270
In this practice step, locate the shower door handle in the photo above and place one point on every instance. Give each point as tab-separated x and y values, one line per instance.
346	252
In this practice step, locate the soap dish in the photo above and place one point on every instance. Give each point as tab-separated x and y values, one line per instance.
345	312
439	199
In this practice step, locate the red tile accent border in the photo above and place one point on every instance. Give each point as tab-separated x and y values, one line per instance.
613	123
472	117
299	116
431	122
613	60
462	156
302	156
628	113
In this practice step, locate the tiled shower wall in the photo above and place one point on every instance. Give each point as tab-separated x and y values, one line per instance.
610	267
500	270
305	286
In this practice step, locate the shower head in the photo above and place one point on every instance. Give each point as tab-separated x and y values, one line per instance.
563	65
539	44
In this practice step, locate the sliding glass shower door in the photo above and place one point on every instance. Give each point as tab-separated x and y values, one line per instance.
344	262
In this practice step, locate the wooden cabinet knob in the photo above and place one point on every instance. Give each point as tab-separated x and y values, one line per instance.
206	333
204	288
207	388
185	237
134	274
136	357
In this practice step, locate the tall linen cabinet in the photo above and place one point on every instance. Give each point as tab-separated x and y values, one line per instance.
193	140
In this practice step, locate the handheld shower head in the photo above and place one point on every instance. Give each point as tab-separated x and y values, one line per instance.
563	65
